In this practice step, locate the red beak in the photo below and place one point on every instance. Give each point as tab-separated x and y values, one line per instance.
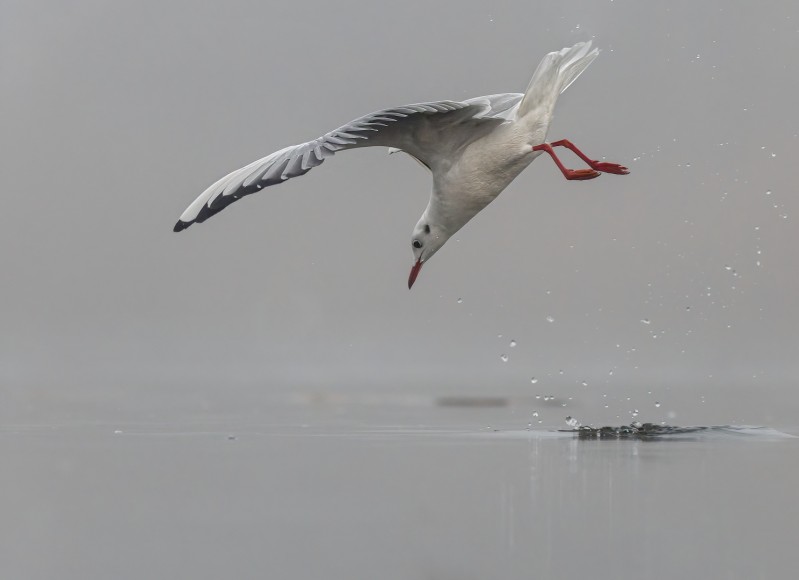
414	272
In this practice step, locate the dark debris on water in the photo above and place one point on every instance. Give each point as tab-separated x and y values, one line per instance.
634	430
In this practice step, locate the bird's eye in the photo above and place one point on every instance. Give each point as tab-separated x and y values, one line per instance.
417	244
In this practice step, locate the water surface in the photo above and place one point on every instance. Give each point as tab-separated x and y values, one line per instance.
391	491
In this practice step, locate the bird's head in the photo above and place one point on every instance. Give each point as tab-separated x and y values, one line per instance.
426	240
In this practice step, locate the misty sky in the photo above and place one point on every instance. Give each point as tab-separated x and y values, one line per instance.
116	115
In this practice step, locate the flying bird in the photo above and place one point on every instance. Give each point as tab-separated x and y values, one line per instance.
472	148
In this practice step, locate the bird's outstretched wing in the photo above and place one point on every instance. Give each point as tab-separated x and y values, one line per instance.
428	131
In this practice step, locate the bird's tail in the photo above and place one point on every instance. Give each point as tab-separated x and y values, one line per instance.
554	74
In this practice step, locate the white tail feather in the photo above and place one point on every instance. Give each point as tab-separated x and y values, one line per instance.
554	74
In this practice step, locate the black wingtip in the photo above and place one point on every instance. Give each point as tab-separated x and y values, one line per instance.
180	226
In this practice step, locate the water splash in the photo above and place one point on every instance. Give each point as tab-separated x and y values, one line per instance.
637	430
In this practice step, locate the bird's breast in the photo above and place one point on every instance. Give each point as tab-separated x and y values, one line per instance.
489	165
481	172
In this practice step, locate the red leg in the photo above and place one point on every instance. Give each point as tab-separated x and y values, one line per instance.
567	173
592	163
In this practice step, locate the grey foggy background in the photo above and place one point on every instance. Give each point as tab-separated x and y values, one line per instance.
117	114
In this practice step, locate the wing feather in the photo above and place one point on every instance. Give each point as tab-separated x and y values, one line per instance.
397	127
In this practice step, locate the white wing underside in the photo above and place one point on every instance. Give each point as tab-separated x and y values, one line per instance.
431	132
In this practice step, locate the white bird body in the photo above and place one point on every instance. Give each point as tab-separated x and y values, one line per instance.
473	149
485	168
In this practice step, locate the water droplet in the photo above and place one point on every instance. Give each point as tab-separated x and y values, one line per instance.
773	155
728	268
550	319
535	413
560	372
572	422
768	192
584	383
534	380
503	357
657	403
460	300
512	343
646	321
499	336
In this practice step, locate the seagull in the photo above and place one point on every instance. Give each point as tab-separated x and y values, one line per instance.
472	148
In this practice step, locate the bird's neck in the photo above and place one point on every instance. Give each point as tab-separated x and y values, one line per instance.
450	212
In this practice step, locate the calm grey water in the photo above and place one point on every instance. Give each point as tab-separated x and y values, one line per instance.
392	487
